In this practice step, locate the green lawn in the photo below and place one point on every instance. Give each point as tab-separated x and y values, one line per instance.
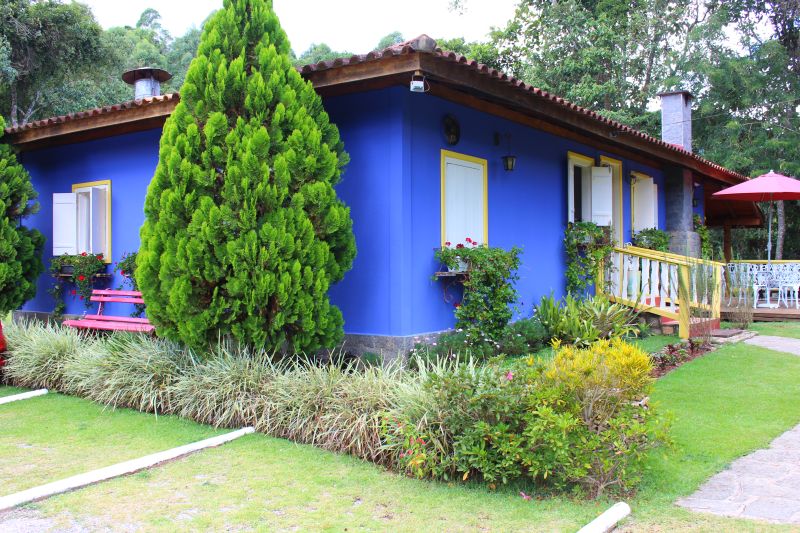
10	391
723	405
780	329
53	436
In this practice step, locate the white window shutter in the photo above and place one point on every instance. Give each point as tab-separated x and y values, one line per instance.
98	223
602	196
655	205
464	201
65	224
644	203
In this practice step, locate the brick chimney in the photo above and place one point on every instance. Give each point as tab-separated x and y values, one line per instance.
676	118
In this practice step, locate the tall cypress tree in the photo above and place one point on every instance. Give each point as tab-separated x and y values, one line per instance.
20	247
243	231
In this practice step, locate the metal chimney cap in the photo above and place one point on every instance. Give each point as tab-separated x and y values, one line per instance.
158	74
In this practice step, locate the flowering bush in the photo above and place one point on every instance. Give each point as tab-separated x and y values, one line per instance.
579	421
84	267
587	246
489	292
127	269
523	337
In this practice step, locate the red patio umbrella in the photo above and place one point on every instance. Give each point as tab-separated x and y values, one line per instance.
765	188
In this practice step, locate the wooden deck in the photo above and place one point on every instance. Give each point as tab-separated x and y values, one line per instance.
764	314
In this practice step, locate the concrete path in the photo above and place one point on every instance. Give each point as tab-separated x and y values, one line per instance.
764	485
779	344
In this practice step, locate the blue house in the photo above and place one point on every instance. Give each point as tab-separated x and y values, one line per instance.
429	134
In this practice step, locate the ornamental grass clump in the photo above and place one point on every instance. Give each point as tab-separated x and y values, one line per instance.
39	352
228	388
129	370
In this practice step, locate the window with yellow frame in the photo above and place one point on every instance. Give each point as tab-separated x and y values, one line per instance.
82	220
465	198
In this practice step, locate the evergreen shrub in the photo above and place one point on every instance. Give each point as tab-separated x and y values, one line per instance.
20	247
243	231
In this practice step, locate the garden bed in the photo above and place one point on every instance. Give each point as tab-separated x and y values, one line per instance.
270	483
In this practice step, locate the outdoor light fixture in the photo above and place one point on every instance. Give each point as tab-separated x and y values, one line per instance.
452	130
509	161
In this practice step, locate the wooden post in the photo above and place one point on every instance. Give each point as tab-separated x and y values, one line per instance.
716	293
684	302
726	243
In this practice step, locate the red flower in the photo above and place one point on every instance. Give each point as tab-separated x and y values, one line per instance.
459	246
83	254
457	305
447	243
100	257
421	441
74	292
81	297
122	272
81	277
474	243
468	239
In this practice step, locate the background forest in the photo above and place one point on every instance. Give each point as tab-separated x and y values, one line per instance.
740	58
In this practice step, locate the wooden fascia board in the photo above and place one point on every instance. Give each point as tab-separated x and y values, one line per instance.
521	117
118	122
362	72
448	71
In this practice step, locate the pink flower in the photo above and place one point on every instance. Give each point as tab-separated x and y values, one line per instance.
468	239
459	246
74	292
510	375
447	243
525	497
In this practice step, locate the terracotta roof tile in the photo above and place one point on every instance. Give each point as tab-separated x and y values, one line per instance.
93	112
412	46
421	44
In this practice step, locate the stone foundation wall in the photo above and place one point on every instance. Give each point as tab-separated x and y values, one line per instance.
389	348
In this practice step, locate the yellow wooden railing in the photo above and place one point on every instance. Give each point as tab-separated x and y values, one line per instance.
665	284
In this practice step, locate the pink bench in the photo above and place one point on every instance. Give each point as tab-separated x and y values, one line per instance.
113	323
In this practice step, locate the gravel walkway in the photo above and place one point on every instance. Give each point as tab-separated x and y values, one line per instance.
764	485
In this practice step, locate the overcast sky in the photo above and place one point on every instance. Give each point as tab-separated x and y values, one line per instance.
352	25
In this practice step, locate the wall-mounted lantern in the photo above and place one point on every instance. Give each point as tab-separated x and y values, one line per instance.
452	130
509	161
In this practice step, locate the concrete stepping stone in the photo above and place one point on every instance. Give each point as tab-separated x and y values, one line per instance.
764	485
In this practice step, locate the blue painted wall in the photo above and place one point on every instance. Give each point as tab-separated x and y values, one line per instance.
392	186
129	161
527	207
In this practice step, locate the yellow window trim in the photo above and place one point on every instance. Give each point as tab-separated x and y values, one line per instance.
581	159
107	183
485	165
616	164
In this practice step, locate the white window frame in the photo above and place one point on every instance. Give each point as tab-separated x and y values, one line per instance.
479	164
590	212
640	176
87	205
